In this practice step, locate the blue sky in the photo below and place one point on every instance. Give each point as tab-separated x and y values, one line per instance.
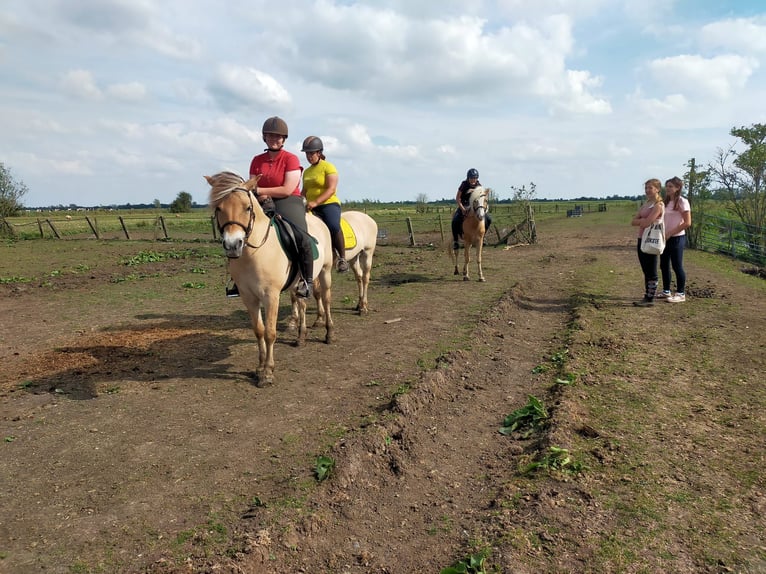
126	101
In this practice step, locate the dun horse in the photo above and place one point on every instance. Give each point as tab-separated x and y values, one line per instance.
260	267
474	227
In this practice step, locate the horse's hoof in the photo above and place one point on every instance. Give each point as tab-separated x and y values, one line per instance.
457	272
262	380
328	339
465	278
298	342
482	280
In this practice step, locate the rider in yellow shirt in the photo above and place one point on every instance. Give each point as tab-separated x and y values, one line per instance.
320	181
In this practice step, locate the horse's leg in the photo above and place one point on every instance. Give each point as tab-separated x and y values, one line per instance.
292	322
479	249
467	244
302	328
325	282
363	280
453	252
256	320
320	310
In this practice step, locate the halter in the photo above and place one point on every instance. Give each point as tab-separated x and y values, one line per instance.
249	229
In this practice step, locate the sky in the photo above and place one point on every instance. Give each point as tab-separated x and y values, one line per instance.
112	102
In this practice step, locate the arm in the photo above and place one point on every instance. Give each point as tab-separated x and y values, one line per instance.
330	187
457	199
656	213
686	223
292	178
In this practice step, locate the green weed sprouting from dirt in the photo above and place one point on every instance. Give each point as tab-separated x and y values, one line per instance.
152	257
324	467
526	420
473	564
557	458
14	279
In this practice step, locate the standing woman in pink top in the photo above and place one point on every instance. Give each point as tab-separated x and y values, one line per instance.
678	218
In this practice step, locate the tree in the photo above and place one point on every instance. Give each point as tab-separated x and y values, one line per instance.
182	203
524	195
421	203
699	195
11	192
741	176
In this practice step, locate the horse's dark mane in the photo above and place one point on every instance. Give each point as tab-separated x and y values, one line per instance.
222	184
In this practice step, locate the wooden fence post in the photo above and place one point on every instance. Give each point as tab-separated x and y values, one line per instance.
40	227
92	227
53	227
125	229
164	229
215	229
441	227
411	232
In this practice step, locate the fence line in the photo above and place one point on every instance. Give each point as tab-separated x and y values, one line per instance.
731	237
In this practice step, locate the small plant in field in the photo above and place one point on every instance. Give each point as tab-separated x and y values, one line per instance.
10	438
192	285
324	467
567	379
14	279
473	564
540	369
557	458
527	419
402	389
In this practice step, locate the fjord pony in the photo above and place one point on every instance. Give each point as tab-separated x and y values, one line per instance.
474	227
259	266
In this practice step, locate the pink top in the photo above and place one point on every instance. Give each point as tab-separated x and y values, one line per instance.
674	217
645	211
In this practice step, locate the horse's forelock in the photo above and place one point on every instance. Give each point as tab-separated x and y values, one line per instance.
222	184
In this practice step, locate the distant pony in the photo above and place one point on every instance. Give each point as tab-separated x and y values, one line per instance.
474	228
260	267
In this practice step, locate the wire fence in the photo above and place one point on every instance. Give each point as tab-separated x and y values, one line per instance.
731	237
431	226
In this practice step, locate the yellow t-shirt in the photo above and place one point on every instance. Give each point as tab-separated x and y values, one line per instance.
314	178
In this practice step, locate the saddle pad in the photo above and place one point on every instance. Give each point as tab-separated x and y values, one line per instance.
348	234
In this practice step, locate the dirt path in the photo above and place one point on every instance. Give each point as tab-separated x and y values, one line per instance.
141	445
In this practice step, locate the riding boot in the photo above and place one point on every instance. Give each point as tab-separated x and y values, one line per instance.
339	243
306	266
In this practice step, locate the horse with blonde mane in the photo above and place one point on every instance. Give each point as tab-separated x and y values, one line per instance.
474	228
260	267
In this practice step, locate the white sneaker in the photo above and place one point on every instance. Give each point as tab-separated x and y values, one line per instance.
677	298
663	295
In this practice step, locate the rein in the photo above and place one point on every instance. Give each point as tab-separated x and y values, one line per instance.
249	228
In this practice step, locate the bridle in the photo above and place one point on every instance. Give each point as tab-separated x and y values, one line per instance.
251	222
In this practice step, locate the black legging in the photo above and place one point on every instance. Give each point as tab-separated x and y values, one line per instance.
293	210
649	267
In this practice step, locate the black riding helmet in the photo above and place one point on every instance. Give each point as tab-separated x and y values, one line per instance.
472	173
275	125
312	143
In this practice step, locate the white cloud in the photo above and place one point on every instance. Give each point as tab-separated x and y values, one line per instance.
130	92
80	83
237	86
743	35
718	77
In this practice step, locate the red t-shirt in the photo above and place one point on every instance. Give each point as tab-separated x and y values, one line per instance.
272	171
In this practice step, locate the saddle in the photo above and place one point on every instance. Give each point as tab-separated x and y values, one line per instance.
288	234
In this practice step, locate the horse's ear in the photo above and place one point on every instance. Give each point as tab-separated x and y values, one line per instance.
208	179
251	183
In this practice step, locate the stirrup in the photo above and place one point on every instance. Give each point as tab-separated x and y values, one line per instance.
304	288
232	290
